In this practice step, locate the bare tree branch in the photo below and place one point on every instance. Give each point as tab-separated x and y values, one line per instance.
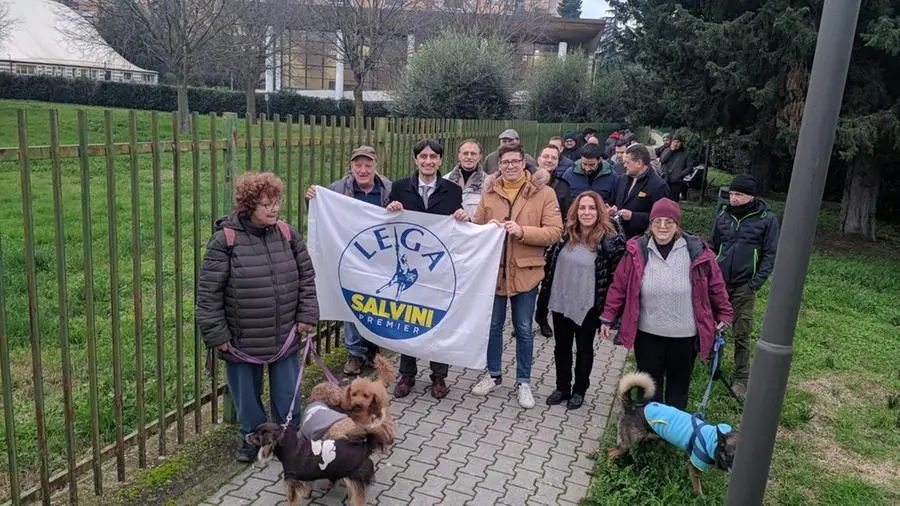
6	21
177	33
368	30
521	21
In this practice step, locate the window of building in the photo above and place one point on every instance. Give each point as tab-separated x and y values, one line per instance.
126	76
25	69
107	76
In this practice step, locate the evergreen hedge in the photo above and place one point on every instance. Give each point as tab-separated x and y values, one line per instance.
160	97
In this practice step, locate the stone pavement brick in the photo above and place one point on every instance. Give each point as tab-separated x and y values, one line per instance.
267	498
250	488
485	497
469	450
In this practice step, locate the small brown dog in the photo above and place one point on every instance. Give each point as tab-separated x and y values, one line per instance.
362	426
707	445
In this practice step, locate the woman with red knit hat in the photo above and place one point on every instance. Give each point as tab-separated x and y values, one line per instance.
670	294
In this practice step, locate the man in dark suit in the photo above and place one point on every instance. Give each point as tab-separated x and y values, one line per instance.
637	191
427	192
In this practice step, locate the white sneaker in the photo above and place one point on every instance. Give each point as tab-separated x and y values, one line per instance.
484	386
526	400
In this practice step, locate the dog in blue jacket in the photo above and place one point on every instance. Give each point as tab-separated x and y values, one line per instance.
707	445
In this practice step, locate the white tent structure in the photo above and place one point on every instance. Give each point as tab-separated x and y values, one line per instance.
43	41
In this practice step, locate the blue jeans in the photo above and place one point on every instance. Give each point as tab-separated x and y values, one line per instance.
245	385
356	345
522	313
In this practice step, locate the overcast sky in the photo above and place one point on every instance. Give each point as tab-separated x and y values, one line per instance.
593	8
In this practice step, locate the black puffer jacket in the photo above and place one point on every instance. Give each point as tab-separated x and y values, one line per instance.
250	295
745	242
676	165
610	250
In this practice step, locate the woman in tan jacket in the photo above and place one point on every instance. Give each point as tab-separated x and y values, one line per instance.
533	222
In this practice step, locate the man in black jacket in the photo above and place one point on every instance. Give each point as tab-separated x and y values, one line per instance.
745	238
676	163
637	191
427	192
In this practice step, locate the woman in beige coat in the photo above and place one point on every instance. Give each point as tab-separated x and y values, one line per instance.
533	222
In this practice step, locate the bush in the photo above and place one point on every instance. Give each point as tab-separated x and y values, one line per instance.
163	98
559	89
457	76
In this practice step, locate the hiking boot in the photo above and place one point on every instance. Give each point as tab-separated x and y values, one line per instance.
353	366
526	400
546	331
557	397
486	384
439	389
404	387
246	452
575	401
739	389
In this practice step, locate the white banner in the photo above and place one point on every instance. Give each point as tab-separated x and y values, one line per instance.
415	283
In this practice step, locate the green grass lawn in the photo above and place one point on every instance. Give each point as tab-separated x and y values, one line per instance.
839	436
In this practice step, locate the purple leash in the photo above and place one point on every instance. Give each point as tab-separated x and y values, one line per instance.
240	355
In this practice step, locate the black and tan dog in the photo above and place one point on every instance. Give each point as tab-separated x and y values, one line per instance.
706	445
340	430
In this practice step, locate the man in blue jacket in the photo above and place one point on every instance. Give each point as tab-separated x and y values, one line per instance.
591	173
745	238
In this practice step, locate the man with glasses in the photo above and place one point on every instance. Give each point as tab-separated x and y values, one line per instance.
636	193
591	173
426	192
366	184
469	174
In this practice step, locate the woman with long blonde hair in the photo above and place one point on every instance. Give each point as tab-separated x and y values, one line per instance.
580	269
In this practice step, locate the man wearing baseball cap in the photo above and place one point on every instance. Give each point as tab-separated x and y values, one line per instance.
492	161
366	184
745	238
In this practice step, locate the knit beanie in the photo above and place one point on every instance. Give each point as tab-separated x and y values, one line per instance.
743	183
666	208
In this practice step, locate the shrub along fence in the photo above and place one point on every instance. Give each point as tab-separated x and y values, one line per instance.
100	248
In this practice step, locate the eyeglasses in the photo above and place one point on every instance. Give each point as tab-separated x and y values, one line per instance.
273	205
664	222
511	163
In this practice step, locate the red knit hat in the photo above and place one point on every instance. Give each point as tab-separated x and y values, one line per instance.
666	208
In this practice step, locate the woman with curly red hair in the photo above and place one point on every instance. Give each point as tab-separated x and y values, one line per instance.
257	283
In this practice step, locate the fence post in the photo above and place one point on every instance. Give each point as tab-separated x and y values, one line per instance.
229	173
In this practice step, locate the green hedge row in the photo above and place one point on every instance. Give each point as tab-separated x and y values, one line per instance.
163	97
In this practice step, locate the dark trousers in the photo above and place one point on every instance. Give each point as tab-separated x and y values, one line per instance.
408	368
670	362
676	189
567	331
742	299
542	307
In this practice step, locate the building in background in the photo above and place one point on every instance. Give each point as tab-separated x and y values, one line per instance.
308	63
43	41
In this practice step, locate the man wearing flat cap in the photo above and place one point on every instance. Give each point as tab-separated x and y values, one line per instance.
492	161
745	238
366	184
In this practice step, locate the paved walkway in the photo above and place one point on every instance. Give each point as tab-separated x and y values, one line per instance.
474	450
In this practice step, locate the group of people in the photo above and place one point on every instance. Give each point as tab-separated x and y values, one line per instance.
589	247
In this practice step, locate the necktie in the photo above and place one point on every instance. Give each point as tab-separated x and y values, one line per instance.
425	192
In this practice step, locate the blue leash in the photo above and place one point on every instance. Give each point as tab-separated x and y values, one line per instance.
717	346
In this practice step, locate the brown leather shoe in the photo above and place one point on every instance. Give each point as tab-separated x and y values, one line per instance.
404	386
439	389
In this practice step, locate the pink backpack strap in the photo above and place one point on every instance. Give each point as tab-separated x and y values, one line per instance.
229	236
285	230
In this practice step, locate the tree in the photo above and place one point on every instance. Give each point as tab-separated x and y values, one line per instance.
178	33
248	46
364	32
5	21
559	89
458	76
569	9
522	21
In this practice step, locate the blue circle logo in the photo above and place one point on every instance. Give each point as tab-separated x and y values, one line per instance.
398	279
